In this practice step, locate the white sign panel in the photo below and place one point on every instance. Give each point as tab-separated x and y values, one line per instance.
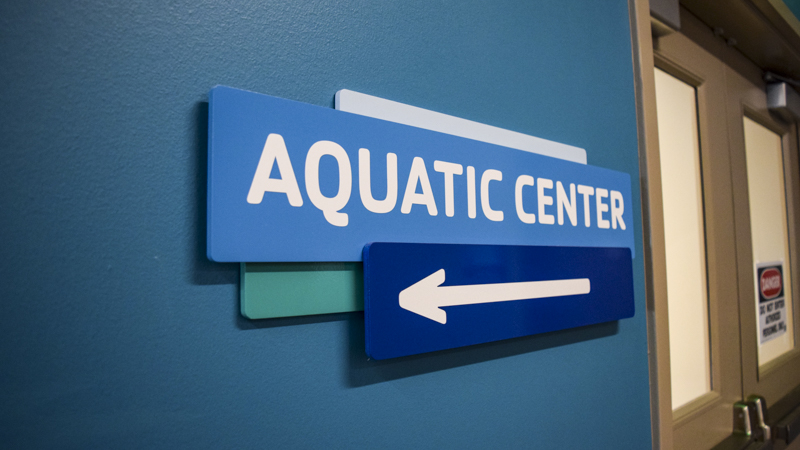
771	302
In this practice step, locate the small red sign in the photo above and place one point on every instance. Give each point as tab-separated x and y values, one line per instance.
771	283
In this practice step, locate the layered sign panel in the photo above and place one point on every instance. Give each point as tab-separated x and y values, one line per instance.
290	181
425	297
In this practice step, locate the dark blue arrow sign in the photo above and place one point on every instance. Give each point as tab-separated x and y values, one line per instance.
424	297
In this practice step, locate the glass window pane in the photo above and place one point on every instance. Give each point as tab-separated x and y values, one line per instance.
769	232
684	233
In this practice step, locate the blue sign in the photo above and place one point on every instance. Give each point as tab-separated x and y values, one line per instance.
424	297
289	181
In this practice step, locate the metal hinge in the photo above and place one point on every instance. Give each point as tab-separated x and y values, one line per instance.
742	419
749	427
750	418
760	405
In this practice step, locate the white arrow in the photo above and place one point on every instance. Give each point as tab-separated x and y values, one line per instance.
426	297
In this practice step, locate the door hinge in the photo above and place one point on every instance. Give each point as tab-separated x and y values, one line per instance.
750	418
742	421
760	406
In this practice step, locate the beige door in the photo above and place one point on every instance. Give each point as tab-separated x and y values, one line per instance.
700	417
726	208
766	188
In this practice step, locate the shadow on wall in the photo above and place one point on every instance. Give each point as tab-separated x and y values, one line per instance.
363	371
204	271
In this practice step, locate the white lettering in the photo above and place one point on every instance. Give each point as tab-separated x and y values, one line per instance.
568	204
365	186
617	208
772	282
523	180
600	194
274	151
586	191
471	207
563	199
544	200
419	175
329	206
490	175
448	169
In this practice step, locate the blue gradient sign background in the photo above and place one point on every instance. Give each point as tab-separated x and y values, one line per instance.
275	230
390	268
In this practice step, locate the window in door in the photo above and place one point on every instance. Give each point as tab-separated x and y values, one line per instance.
770	241
684	230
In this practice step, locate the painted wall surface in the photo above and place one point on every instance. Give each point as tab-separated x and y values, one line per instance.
794	6
117	332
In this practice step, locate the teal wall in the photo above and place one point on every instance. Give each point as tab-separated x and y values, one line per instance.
794	6
117	332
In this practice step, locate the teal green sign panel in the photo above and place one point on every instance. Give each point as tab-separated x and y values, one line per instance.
270	290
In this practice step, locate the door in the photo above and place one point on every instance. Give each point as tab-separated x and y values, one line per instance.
765	192
728	193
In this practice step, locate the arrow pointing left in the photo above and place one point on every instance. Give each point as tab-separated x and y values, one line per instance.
427	297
